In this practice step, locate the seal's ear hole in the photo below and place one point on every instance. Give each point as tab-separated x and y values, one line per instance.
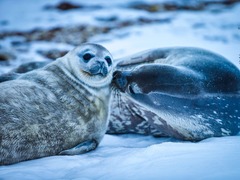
131	89
109	60
87	56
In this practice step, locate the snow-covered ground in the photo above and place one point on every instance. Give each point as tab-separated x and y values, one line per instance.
216	28
139	157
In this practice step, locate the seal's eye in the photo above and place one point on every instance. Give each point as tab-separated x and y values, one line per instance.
109	60
87	56
131	89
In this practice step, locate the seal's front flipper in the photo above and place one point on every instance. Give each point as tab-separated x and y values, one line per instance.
83	147
8	77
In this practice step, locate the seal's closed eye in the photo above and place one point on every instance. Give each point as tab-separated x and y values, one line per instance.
130	88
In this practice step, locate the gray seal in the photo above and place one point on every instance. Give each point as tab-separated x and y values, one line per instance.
61	108
185	93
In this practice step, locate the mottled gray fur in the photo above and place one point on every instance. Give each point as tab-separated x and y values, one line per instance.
59	108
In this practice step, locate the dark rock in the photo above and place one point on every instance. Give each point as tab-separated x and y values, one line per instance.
125	24
3	57
53	54
175	6
223	2
6	55
107	19
26	67
67	6
143	20
146	7
64	6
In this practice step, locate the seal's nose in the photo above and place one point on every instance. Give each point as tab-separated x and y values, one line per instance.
99	68
120	80
103	68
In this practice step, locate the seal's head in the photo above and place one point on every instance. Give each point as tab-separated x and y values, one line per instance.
91	63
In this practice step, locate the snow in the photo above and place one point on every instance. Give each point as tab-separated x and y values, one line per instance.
181	32
132	156
139	157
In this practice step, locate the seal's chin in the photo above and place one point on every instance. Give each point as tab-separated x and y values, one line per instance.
95	80
94	74
98	70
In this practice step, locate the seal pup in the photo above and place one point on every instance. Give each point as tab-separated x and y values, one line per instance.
61	108
194	93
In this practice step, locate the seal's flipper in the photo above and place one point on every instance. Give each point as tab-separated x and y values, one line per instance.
8	76
23	68
144	57
81	148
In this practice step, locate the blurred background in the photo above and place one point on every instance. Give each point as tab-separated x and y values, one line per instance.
45	30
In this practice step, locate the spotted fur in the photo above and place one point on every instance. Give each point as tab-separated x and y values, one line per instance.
55	108
193	93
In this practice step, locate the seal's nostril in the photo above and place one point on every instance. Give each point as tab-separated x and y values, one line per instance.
104	71
101	64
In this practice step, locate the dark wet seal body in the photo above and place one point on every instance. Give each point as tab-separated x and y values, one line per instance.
194	94
61	108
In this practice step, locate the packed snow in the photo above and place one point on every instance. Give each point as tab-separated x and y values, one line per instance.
130	156
139	157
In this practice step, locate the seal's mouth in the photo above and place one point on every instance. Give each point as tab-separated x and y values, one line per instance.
89	74
93	76
95	80
99	69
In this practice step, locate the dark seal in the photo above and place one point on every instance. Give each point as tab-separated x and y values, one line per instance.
190	93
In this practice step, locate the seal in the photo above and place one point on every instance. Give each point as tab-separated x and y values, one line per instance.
193	93
190	71
61	108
